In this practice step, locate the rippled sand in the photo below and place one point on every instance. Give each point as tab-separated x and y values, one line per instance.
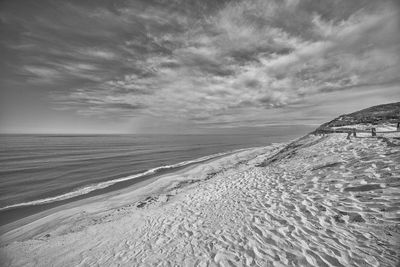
321	201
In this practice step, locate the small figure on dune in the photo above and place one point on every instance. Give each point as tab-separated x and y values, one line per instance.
373	131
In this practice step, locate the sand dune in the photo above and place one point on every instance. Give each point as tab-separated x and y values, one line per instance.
321	201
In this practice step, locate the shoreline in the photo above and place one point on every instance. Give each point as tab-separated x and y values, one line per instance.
13	214
21	216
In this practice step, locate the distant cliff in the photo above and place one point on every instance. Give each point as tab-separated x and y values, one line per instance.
387	113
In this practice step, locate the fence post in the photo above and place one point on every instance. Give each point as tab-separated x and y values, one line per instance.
398	126
348	135
373	132
354	132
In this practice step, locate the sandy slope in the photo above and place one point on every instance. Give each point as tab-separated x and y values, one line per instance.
322	201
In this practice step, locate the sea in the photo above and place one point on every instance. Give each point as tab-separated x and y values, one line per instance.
38	172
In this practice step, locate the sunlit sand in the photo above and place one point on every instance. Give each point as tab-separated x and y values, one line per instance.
321	200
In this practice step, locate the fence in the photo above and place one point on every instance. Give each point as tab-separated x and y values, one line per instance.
353	131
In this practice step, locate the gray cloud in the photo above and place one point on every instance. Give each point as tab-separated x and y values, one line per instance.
202	61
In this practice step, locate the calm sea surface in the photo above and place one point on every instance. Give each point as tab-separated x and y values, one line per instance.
39	169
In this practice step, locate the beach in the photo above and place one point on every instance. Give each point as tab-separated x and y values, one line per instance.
321	200
41	172
200	133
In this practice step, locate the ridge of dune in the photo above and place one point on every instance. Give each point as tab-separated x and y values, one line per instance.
318	201
382	116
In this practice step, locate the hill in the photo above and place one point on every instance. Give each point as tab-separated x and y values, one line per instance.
381	114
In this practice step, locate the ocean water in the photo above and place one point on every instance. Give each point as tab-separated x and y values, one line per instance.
42	169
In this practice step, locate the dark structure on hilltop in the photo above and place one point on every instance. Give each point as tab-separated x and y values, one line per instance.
387	113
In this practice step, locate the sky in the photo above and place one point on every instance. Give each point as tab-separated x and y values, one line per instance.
193	66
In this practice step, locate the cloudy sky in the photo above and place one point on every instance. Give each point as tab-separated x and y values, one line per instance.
193	65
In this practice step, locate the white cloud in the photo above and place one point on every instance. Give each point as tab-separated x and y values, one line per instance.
235	62
98	53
